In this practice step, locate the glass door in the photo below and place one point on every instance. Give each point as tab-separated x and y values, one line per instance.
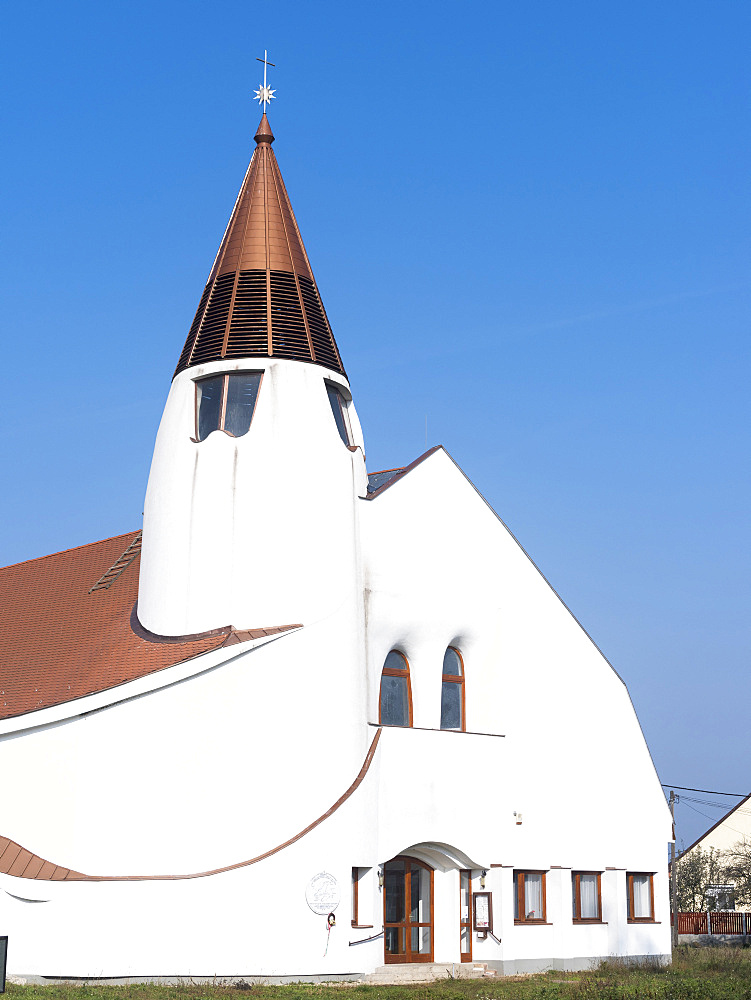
465	915
407	911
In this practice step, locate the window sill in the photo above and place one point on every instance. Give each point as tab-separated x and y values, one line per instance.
588	920
432	729
643	920
362	927
533	923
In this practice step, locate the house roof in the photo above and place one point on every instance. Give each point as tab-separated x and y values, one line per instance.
714	826
68	627
261	299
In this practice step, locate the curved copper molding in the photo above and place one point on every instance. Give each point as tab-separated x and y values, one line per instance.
400	473
234	635
15	860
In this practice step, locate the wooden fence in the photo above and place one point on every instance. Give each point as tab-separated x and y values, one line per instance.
719	922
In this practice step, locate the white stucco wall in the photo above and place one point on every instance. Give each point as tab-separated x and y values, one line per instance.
205	768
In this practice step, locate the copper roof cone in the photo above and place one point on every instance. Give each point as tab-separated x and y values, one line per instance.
264	133
261	299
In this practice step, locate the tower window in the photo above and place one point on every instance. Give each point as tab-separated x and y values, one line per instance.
452	690
339	409
396	692
226	403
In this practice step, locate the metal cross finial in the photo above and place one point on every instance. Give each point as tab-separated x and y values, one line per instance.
264	95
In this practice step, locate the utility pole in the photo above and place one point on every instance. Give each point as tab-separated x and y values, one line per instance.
673	875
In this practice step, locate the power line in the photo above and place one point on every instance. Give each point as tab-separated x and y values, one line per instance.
694	809
707	791
736	810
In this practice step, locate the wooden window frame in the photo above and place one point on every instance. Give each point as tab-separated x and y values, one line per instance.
393	672
630	896
225	376
407	923
576	891
466	956
355	897
453	679
519	876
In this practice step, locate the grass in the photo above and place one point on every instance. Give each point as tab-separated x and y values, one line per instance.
721	973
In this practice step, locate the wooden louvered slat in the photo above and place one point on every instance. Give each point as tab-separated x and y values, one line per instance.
210	337
320	331
185	356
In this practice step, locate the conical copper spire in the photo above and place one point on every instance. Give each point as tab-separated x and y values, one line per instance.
261	299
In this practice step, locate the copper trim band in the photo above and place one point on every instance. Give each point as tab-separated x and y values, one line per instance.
234	635
15	860
401	473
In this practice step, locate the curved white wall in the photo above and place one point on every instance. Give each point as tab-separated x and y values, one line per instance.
252	531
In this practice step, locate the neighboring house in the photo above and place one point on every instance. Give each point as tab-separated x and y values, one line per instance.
307	689
733	828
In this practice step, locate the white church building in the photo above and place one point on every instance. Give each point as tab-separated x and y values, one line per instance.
311	721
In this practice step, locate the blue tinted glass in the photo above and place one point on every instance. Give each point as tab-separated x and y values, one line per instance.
339	409
452	665
209	401
394	701
242	391
451	705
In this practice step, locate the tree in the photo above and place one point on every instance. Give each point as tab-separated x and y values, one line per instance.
736	868
695	872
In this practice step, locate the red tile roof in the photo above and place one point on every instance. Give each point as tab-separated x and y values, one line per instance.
59	641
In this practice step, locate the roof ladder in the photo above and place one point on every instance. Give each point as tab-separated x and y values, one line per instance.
118	568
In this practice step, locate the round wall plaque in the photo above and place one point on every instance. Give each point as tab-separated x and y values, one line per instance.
322	893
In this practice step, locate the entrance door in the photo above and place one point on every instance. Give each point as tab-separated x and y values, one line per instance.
407	911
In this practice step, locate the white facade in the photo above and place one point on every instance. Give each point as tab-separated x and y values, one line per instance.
220	761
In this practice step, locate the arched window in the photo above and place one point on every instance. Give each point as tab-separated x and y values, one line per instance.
226	403
339	409
452	690
395	707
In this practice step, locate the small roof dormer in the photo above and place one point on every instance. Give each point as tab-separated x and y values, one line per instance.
261	299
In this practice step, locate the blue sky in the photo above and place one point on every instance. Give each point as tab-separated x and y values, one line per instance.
529	224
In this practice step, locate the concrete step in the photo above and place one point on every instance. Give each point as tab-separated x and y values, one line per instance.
426	972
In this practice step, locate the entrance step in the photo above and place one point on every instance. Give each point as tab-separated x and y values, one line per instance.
426	972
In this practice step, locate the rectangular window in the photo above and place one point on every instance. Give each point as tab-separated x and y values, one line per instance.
641	896
361	901
586	897
355	897
529	897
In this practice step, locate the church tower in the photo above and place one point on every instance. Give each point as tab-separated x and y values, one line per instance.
250	512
